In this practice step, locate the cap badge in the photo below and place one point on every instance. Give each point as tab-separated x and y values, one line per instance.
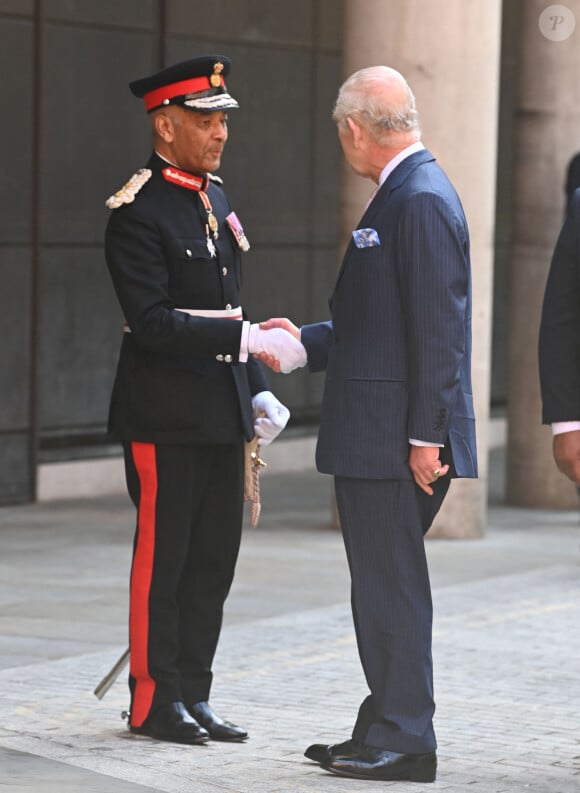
215	78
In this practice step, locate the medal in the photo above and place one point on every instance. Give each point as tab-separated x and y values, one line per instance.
210	244
211	218
212	222
233	222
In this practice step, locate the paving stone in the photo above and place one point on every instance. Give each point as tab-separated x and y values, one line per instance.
506	649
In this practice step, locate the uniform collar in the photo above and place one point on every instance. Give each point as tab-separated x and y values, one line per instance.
171	173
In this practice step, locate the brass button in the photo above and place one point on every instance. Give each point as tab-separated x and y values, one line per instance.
224	270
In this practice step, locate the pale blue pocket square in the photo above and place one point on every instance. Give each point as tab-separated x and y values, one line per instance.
365	238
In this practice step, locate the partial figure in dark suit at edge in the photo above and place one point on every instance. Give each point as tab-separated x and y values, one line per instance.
559	345
397	419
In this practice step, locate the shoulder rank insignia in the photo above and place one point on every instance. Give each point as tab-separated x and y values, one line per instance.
128	192
215	178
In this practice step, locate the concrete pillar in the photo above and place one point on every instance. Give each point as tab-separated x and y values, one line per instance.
448	50
547	134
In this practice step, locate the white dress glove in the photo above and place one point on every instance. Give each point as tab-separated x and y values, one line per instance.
279	343
270	416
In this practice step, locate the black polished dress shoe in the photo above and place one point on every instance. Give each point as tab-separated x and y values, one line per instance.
172	722
321	752
218	729
378	764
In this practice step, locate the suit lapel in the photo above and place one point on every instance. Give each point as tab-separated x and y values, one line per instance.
345	258
394	180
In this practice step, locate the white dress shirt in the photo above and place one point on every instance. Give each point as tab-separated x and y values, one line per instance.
558	427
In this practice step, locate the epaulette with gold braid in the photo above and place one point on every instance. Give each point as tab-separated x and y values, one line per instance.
129	190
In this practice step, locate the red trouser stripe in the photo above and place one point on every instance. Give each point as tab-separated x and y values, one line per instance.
142	572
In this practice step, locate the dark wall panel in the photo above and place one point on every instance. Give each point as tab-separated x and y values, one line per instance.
329	15
130	13
324	177
281	23
15	485
324	269
16	141
301	282
94	129
17	7
14	339
286	272
81	330
16	100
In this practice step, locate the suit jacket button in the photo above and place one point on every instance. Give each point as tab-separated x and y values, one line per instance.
228	358
219	357
224	270
188	253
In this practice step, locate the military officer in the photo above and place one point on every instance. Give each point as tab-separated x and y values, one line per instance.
187	392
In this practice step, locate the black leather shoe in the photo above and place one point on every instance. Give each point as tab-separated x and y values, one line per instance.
173	723
322	752
218	729
378	764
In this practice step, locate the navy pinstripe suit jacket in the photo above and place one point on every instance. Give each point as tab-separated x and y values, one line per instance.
397	352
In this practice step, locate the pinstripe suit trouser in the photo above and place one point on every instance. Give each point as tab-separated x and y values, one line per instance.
383	523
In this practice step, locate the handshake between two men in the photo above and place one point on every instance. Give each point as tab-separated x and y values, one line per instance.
276	343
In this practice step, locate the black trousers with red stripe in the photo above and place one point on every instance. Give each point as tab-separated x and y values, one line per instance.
189	503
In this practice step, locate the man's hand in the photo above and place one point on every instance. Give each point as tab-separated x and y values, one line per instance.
426	466
281	322
277	322
277	347
270	416
566	447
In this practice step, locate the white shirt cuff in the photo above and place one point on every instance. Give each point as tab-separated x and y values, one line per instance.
558	427
415	442
243	357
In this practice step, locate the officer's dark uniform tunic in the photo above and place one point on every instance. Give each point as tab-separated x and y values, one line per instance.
181	404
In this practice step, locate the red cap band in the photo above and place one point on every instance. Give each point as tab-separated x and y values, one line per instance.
156	98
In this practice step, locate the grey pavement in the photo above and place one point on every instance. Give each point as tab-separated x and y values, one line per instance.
506	651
